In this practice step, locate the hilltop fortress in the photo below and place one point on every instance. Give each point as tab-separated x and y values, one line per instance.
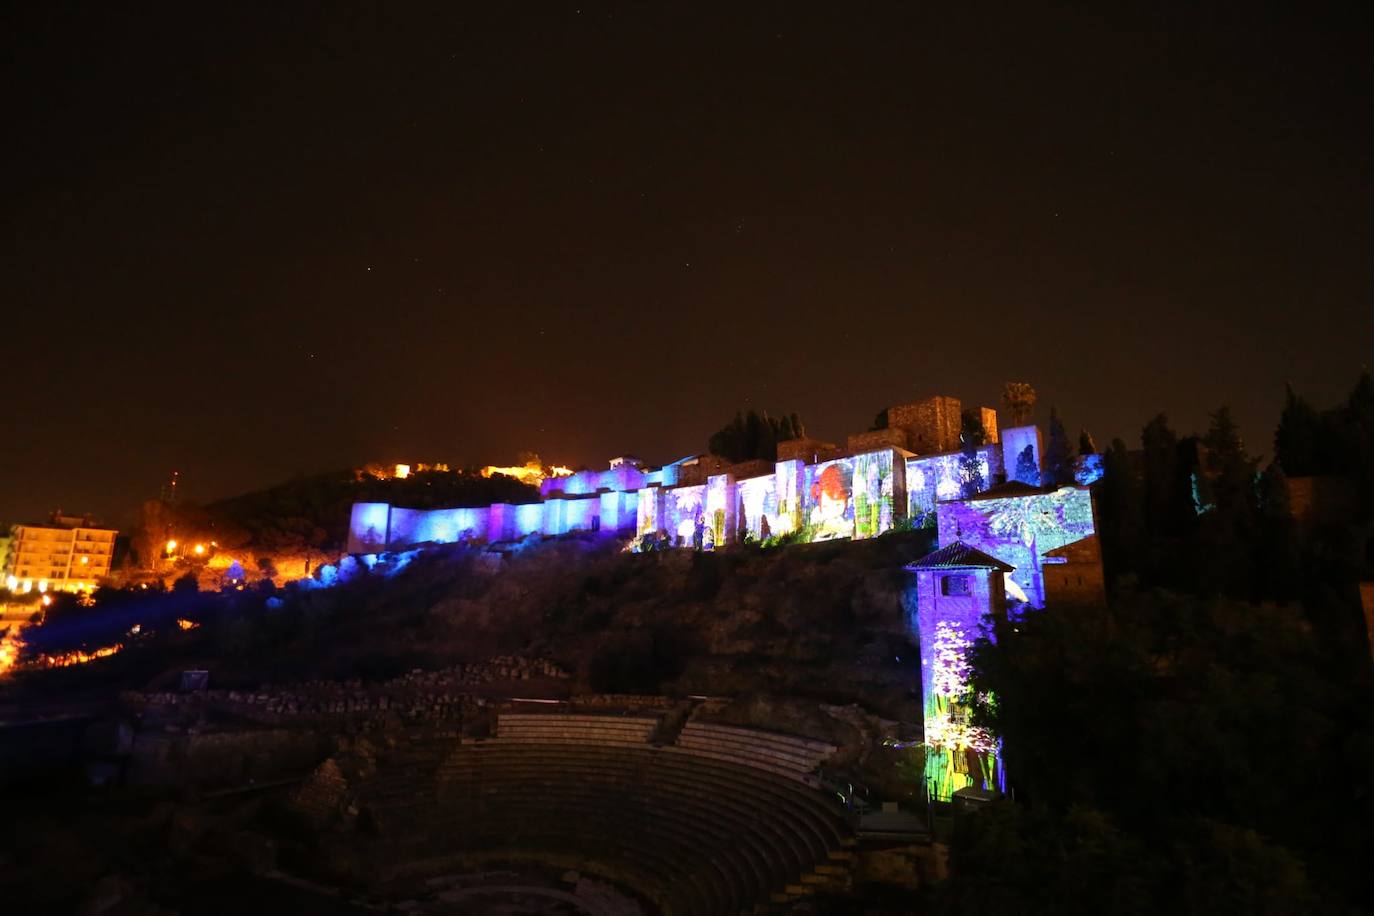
911	473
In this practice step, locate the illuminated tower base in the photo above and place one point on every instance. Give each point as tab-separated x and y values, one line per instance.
958	589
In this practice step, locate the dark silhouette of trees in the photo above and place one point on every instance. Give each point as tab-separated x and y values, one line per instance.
1197	514
1299	444
1086	445
1058	464
754	436
1157	719
1120	518
1167	482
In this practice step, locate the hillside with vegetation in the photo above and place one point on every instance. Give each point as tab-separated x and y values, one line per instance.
826	621
309	515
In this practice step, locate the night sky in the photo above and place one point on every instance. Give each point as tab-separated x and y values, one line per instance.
255	242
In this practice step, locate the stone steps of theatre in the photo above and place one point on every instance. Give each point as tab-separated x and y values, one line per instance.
755	734
696	849
799	762
728	776
568	719
572	729
780	835
723	796
684	872
797	751
629	741
634	763
723	866
539	805
779	841
753	763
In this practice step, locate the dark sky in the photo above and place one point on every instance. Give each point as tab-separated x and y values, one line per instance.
252	242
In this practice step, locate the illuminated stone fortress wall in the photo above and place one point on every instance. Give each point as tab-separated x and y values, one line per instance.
815	491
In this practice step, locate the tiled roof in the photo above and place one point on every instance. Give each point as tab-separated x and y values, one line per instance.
960	556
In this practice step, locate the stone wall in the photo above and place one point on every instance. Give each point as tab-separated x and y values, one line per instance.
932	425
807	449
1073	574
874	439
989	418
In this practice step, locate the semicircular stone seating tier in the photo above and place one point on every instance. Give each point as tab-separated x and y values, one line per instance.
684	827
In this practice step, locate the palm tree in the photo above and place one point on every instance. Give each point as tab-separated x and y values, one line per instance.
1018	399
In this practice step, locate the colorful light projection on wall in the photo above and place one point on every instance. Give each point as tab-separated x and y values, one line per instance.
1088	469
959	754
649	512
719	515
789	480
854	497
829	505
943	477
684	516
1019	530
758	507
875	485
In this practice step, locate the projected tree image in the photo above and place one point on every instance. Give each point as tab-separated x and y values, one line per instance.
1019	530
958	754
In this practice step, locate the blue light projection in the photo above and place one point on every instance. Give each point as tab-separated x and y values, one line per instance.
684	515
367	527
758	506
858	496
1019	530
937	478
1088	469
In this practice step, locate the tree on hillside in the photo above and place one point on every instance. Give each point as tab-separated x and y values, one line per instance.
753	436
1119	512
1159	446
1229	472
1058	470
1018	400
1297	440
1226	495
972	435
1162	698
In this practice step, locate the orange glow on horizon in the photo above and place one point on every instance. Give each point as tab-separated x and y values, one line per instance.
533	473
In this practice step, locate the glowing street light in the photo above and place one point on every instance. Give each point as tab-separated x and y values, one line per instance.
200	550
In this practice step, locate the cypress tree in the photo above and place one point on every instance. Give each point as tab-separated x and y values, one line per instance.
1058	458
